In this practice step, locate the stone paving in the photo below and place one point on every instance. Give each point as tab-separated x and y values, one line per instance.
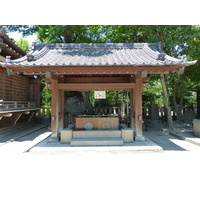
187	136
170	142
56	148
156	141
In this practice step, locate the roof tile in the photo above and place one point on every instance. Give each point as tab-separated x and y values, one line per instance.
97	54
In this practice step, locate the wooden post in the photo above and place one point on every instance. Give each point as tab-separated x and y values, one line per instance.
61	109
132	114
54	108
138	108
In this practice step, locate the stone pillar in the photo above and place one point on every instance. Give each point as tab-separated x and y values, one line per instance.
154	111
196	122
196	127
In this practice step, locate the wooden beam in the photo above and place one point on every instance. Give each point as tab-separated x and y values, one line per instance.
6	114
12	44
95	86
9	51
16	117
98	79
60	73
62	70
31	115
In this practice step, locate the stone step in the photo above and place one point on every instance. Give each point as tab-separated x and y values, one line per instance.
102	141
97	133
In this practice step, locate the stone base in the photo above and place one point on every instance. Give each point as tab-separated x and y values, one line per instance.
196	127
96	133
56	148
98	137
53	138
103	141
139	138
66	135
127	134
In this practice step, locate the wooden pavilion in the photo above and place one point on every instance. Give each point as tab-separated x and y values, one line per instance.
102	66
19	94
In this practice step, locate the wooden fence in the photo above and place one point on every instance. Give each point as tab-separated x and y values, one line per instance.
188	113
13	87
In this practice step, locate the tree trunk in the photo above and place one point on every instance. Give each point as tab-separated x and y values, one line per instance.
181	108
123	105
166	103
86	100
160	32
178	108
68	34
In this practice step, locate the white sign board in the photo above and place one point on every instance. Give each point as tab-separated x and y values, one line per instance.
100	94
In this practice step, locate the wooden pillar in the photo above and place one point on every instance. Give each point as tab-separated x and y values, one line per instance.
61	109
54	108
138	108
132	114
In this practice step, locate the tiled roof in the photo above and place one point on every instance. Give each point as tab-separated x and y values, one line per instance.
97	54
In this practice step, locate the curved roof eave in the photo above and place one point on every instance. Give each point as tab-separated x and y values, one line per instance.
96	54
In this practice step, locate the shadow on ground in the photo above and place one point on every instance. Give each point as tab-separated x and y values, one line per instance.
164	140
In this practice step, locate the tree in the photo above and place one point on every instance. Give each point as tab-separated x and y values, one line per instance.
175	40
71	33
153	93
24	29
23	44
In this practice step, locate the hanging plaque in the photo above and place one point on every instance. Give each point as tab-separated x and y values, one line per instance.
100	94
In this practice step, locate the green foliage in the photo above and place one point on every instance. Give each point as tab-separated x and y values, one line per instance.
70	33
73	94
24	29
193	52
113	98
153	93
130	33
23	44
45	94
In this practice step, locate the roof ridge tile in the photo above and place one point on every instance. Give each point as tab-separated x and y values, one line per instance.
95	45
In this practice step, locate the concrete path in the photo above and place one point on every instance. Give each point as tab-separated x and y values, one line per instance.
18	132
171	143
21	141
187	136
56	148
100	176
156	141
173	174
